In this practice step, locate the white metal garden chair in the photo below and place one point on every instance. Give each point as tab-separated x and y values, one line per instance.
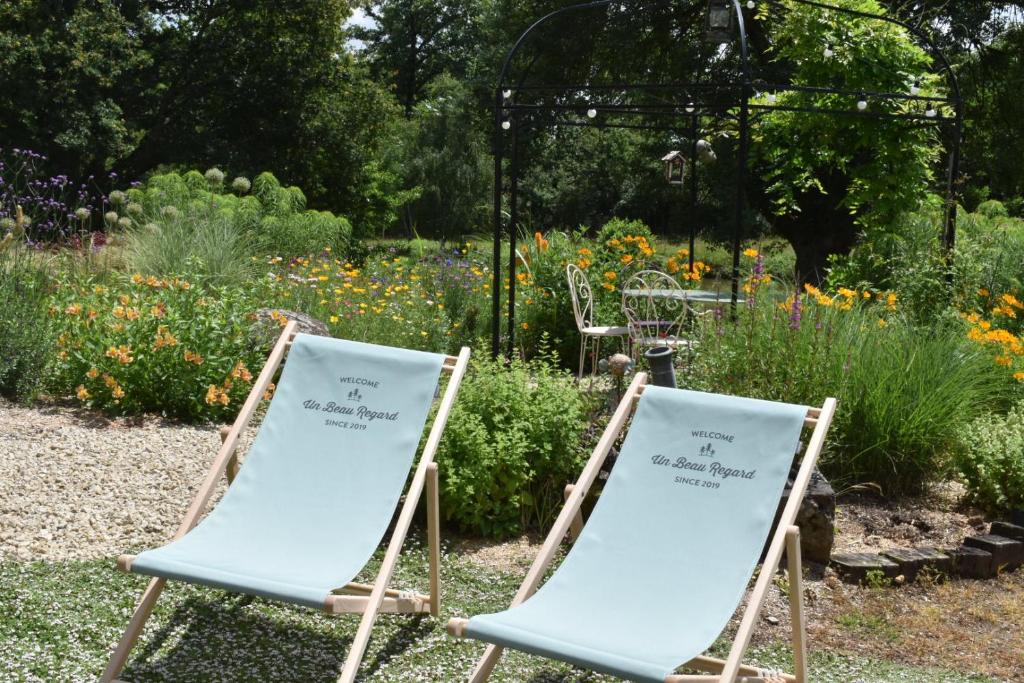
583	308
656	311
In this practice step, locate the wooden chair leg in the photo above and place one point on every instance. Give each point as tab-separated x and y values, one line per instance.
434	538
486	665
120	656
796	603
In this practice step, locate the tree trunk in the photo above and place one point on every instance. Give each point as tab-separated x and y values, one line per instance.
822	227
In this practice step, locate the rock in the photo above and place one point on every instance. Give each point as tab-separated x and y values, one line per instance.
854	567
912	561
816	518
1006	553
774	621
267	330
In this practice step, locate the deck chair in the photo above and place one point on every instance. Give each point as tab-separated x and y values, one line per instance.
668	551
315	495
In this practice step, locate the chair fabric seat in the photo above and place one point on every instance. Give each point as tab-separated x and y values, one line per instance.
670	546
321	482
605	331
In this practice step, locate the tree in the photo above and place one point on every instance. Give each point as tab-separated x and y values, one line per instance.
66	70
829	177
412	42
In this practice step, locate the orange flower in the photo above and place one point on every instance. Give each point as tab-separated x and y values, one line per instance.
269	393
73	309
192	357
241	372
82	393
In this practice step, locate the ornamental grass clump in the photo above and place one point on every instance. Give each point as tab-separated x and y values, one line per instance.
26	339
159	345
904	390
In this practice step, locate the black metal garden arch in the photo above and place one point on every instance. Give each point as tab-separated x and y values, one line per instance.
730	97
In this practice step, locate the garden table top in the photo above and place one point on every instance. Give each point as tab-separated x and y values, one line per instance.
696	295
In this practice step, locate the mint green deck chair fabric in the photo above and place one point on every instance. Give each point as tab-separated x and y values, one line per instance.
665	557
322	479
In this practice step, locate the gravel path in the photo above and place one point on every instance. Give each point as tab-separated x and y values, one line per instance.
74	485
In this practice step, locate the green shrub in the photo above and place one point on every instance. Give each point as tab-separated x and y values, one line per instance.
26	339
990	459
155	345
513	442
992	208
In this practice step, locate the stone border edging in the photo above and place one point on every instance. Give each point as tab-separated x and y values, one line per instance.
980	557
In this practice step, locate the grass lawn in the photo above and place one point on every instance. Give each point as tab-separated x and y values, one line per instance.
59	621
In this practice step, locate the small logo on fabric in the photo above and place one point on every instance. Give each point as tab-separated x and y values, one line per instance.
354	395
707	451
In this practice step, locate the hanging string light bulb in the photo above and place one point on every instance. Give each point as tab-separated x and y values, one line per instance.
591	113
862	102
772	98
930	110
506	124
915	87
506	94
829	51
751	4
690	107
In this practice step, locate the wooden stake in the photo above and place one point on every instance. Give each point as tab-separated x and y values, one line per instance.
562	523
774	554
434	538
796	603
387	567
576	528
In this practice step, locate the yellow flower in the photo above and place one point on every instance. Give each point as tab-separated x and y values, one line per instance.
627	259
526	326
1019	376
609	286
269	393
82	393
867	295
131	313
1004	360
610	275
752	253
117	392
93	373
890	301
334	319
124	299
137	279
159	310
882	322
192	357
983	292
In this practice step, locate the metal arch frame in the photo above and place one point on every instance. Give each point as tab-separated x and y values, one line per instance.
505	110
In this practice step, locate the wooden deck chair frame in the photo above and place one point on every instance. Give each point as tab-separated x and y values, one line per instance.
366	599
786	538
